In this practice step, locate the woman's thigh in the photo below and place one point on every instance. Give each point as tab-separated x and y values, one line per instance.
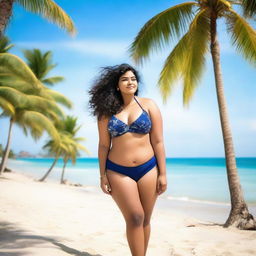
124	191
147	191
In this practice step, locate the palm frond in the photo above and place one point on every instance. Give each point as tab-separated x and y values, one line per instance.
7	80
13	67
51	11
5	45
249	7
195	60
7	106
243	36
186	59
16	98
37	122
41	64
53	80
173	67
37	62
158	31
69	145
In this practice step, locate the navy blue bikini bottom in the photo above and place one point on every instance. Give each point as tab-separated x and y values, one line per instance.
134	172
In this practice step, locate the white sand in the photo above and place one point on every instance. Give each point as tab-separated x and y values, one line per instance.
51	219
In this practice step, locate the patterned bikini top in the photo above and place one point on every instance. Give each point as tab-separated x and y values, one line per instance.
141	125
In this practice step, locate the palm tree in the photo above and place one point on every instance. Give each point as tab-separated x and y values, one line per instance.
68	147
73	145
28	119
28	109
46	8
55	149
197	21
41	64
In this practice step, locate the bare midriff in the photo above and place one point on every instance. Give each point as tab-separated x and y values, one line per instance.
131	149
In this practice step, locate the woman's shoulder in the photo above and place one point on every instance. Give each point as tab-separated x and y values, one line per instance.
149	103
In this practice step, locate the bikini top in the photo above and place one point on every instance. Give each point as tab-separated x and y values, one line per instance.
141	125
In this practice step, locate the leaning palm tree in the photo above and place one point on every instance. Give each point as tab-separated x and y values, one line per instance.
73	146
197	21
46	8
41	64
29	120
72	153
68	146
27	108
55	149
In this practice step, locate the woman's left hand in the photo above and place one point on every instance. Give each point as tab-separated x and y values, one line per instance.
161	184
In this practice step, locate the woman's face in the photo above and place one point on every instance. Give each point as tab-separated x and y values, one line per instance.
128	83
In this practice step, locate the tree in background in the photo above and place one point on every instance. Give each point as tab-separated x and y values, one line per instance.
30	106
46	8
12	154
5	45
197	21
41	64
69	145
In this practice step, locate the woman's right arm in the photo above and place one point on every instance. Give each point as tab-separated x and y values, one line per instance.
103	149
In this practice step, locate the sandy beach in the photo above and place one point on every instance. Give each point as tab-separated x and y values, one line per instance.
52	219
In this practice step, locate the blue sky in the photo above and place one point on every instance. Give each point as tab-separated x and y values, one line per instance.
105	31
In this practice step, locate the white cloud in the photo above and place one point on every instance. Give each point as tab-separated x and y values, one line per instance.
103	48
252	124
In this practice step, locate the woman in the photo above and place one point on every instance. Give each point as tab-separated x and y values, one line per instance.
131	150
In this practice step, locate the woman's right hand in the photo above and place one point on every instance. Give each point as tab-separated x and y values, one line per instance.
104	184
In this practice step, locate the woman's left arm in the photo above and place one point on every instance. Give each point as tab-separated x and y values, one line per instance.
156	138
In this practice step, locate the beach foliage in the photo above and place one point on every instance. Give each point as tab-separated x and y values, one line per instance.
194	26
69	146
41	64
249	7
46	8
27	101
5	44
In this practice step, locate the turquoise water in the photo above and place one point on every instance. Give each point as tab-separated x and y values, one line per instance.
191	179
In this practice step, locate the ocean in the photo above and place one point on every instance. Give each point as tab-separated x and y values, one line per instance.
189	179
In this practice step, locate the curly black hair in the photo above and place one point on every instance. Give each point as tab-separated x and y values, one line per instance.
105	99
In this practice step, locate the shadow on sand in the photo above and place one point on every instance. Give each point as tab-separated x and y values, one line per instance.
14	238
199	224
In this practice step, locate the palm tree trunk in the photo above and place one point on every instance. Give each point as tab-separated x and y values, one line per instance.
63	170
7	148
239	215
48	172
5	14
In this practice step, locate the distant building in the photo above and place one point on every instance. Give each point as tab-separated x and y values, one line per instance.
25	154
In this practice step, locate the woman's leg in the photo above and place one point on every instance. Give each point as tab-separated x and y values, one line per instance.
148	195
124	191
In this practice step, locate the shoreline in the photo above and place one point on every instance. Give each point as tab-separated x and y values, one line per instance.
94	179
52	219
216	212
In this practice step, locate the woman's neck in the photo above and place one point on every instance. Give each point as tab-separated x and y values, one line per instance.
128	99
